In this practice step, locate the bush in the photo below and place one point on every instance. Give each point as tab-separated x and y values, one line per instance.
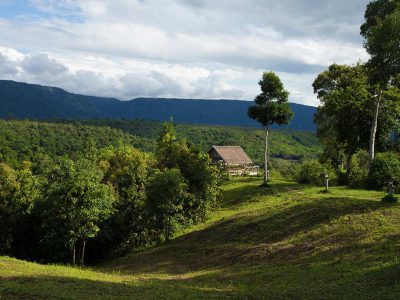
385	168
285	168
359	169
313	172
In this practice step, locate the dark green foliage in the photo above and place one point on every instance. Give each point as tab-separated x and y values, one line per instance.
385	168
76	202
94	202
271	106
201	177
41	142
284	143
382	39
166	195
313	172
125	169
359	170
285	168
347	110
18	192
343	118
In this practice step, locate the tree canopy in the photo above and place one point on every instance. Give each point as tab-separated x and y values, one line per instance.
381	31
272	105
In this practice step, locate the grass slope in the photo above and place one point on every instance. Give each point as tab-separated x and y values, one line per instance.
287	241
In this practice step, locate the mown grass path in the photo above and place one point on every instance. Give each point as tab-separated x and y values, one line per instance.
287	241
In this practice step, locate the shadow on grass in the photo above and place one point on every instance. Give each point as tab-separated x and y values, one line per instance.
58	287
228	242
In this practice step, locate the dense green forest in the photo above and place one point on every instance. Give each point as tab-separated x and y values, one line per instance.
30	140
100	202
284	143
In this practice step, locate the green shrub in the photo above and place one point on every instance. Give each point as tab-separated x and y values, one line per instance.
284	168
385	168
359	169
313	172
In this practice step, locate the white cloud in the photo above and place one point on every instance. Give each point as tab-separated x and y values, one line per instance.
180	48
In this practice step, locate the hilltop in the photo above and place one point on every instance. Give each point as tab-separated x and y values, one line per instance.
289	241
29	101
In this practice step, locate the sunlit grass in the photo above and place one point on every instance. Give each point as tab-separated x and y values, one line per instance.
285	241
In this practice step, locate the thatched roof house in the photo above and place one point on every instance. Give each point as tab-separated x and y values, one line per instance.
236	161
230	155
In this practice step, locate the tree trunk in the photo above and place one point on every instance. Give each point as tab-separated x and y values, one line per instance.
374	127
83	252
348	165
74	255
266	175
167	222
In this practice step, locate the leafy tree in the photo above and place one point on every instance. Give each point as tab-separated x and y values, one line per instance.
343	117
125	169
381	32
166	193
347	107
271	107
19	190
8	189
195	167
76	202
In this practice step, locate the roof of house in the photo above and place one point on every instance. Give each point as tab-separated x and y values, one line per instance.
233	155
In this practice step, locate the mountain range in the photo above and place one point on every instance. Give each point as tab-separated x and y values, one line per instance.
20	100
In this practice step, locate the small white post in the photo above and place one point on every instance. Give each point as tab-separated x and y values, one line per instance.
390	188
326	183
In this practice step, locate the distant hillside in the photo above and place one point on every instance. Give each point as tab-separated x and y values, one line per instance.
30	140
29	101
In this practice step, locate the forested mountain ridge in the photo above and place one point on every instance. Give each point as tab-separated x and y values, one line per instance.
29	101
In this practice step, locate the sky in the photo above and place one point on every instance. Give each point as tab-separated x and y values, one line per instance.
203	49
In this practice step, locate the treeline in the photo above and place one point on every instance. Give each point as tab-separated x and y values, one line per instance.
360	108
102	203
284	143
36	141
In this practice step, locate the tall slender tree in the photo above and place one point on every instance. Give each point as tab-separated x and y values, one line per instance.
271	107
381	32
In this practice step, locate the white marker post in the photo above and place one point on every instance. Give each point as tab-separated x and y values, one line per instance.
326	183
390	188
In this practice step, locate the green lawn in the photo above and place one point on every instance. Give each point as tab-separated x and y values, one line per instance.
286	241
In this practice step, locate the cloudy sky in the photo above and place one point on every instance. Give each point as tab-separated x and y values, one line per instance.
208	49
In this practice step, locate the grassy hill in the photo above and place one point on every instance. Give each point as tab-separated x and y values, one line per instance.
288	241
